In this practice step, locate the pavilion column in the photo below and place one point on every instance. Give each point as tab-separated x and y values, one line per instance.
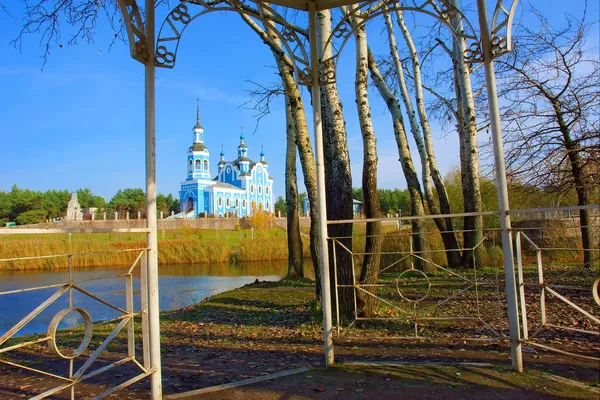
503	206
151	222
322	211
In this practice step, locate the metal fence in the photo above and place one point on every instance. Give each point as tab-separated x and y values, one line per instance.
81	359
559	302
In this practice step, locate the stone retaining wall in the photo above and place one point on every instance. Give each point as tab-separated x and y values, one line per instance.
196	223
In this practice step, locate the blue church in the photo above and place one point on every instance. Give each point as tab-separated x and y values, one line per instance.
240	187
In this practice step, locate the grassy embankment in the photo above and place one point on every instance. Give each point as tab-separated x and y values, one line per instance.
183	246
193	246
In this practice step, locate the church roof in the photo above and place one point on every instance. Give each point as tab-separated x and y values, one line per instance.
236	162
224	185
198	147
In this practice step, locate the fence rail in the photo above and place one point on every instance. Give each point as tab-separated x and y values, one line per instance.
558	296
85	353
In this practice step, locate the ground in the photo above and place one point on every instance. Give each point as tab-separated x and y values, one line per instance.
266	328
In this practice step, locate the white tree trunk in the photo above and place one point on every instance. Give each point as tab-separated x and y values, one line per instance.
373	241
338	176
408	168
468	141
444	225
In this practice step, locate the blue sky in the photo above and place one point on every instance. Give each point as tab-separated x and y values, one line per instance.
79	122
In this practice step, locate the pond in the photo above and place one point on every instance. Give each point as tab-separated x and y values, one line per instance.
179	286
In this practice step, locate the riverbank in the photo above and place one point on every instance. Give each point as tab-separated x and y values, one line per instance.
184	246
266	328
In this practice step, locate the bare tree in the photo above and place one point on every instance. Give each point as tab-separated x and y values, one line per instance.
551	109
424	141
408	168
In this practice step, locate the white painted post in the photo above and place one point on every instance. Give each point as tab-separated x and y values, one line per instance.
127	216
151	223
322	211
172	213
139	215
93	216
503	206
116	215
161	215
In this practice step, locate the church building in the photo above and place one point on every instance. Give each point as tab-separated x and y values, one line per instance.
240	186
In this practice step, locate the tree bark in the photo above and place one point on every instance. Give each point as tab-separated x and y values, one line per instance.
295	261
307	159
469	153
337	173
573	152
410	174
374	239
425	146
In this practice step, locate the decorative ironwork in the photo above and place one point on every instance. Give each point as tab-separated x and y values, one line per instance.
364	11
550	289
135	30
502	27
424	308
125	320
181	16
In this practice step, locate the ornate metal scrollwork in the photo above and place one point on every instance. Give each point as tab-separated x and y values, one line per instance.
438	9
136	37
502	28
180	17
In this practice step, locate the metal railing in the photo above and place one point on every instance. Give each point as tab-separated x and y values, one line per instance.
583	307
84	352
450	297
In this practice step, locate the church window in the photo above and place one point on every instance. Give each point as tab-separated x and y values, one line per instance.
206	166
259	189
237	202
243	203
198	165
227	202
267	206
190	166
266	189
220	202
252	188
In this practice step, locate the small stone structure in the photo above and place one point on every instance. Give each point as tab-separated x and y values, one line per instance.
74	212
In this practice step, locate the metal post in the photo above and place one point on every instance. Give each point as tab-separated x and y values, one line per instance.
151	223
521	282
507	250
322	211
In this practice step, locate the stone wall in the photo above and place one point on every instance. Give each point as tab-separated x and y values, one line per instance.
197	223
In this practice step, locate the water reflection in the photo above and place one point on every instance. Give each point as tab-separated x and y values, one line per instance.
179	286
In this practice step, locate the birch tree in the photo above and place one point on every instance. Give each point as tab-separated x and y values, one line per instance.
374	239
408	168
337	169
469	150
295	256
307	160
424	142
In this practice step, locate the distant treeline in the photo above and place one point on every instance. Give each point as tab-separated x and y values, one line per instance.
522	196
25	206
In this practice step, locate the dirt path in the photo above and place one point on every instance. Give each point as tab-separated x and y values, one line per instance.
406	382
264	329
